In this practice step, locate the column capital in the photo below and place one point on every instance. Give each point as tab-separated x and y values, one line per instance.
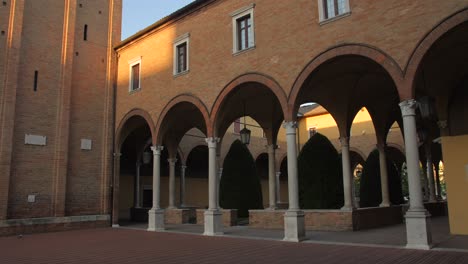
442	124
183	167
172	162
408	107
380	146
290	125
157	150
117	155
271	148
212	142
278	174
344	141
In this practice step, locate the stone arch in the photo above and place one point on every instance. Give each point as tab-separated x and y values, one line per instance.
122	132
258	78
180	99
366	51
408	89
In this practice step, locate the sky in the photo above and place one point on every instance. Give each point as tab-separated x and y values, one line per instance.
138	14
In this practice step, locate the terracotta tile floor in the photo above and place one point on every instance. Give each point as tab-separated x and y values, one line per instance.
120	245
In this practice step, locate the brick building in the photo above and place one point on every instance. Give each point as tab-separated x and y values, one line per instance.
57	73
186	79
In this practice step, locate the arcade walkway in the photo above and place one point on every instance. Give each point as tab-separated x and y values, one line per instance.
122	245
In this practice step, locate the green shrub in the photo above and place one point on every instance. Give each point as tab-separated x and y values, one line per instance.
240	185
320	175
371	190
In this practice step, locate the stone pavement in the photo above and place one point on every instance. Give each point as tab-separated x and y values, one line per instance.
119	245
391	236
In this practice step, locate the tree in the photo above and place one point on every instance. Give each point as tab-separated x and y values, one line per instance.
240	185
320	175
371	190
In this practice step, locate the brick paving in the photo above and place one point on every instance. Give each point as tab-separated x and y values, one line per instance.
107	245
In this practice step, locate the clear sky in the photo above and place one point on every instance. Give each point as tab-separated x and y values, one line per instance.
138	14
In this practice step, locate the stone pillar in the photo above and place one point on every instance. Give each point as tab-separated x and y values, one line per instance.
115	190
137	185
418	230
294	225
439	189
347	176
156	214
383	176
182	185
213	216
278	187
430	172
172	163
271	176
220	174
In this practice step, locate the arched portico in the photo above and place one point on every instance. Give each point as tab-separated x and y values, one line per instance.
436	82
132	136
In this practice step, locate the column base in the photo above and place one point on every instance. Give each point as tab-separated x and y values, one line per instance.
385	205
156	220
213	223
347	208
272	208
115	225
294	226
418	229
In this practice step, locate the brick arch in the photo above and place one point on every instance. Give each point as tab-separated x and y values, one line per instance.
121	128
265	80
372	53
183	98
424	46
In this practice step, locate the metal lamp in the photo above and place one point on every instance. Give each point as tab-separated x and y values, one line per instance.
245	133
146	157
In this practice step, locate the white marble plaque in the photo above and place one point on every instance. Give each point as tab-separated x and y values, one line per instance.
35	140
86	144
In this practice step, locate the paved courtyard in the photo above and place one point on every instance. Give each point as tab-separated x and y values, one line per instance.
133	245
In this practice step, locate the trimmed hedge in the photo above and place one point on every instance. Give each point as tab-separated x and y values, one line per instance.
240	185
371	191
320	175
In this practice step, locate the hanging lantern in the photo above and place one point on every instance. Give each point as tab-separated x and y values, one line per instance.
245	135
426	107
146	157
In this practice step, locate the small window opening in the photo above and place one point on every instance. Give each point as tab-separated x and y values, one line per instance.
85	34
36	76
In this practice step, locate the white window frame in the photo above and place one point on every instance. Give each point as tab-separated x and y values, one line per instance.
247	10
178	41
132	63
322	16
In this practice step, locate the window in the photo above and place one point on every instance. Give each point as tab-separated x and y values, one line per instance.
181	54
243	29
85	33
135	74
312	131
329	9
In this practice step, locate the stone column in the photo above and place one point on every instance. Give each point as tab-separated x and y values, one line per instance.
172	163
137	185
439	189
418	230
115	190
278	187
156	214
213	216
383	176
294	225
430	172
347	176
271	176
220	174
182	185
